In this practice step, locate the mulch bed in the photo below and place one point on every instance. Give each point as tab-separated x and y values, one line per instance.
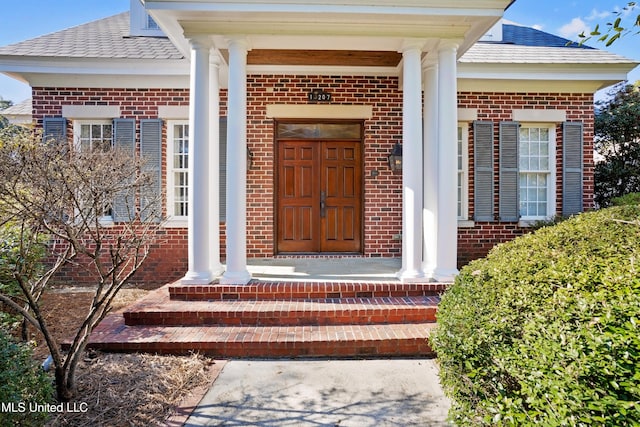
122	389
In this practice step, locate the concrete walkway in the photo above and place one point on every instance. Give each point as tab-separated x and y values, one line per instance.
357	393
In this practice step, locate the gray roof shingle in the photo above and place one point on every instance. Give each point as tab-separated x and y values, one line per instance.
515	54
524	45
22	108
109	38
106	38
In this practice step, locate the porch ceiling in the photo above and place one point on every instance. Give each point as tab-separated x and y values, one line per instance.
321	58
327	33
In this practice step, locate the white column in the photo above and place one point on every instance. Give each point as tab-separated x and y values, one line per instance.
214	166
237	272
430	163
199	219
447	219
412	192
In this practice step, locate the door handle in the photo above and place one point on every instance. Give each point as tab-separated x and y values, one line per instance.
323	204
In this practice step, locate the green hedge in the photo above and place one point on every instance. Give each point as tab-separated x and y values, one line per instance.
627	199
22	383
12	259
545	330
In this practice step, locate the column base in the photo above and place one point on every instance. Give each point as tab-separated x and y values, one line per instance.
411	276
197	278
217	270
235	278
444	275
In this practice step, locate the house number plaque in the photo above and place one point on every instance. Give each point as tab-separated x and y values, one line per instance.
319	96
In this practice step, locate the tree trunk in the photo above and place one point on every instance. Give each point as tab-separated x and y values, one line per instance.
64	388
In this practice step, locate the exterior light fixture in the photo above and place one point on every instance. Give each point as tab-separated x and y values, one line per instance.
249	159
395	158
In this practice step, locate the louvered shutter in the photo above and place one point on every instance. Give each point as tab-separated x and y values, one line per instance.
483	171
223	168
572	142
124	139
54	129
151	155
509	203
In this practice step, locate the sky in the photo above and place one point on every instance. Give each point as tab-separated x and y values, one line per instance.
24	19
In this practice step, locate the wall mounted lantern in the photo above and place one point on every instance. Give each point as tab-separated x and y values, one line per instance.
395	158
249	159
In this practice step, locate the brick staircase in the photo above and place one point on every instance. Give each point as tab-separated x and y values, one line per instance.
285	319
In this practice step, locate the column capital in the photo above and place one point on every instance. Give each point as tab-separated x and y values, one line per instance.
409	45
240	43
214	58
200	42
449	44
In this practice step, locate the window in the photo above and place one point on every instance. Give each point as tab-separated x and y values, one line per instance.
463	171
151	24
177	170
95	135
536	171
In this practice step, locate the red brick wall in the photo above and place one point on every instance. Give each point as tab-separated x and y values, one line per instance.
168	259
383	197
475	242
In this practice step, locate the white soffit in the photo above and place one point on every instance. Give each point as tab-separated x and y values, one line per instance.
281	24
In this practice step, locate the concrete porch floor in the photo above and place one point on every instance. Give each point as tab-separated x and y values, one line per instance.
325	269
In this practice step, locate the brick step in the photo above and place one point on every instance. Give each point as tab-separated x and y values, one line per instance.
396	340
302	291
355	311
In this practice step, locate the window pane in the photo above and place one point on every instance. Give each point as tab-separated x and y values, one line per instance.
320	130
544	134
180	164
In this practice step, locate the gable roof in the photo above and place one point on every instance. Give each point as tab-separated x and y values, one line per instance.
524	54
106	38
525	45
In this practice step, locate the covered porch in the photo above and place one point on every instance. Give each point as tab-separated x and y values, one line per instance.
418	41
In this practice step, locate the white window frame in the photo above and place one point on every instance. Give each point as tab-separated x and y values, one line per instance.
77	129
77	141
172	219
463	174
551	178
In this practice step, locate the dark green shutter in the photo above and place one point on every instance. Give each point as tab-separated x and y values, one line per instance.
572	142
509	203
151	156
124	139
54	129
223	168
483	171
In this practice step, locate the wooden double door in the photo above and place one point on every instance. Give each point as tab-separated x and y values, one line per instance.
319	196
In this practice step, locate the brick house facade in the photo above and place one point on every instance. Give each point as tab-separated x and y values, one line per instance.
540	192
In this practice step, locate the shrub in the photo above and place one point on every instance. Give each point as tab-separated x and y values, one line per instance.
627	199
22	382
14	258
545	330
